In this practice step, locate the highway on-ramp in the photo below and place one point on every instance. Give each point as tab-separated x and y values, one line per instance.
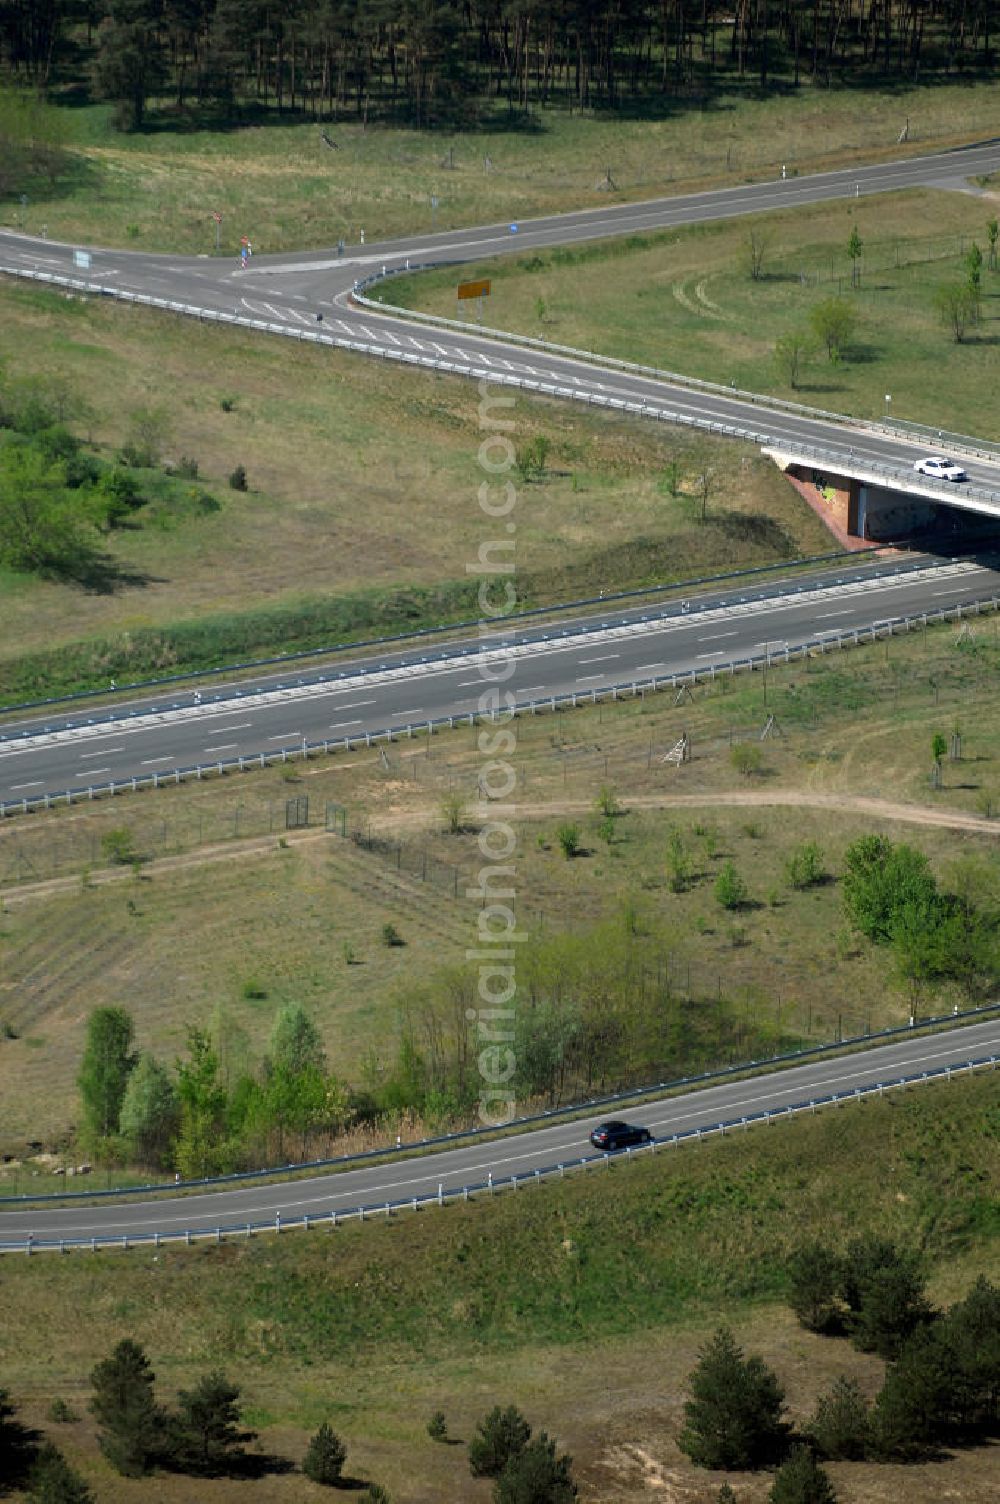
374	1184
309	295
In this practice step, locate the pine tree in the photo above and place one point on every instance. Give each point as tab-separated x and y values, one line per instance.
814	1280
733	1418
535	1475
840	1427
502	1434
325	1456
206	1436
802	1481
131	1423
52	1480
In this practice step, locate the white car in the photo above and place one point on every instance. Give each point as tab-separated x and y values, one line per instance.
938	468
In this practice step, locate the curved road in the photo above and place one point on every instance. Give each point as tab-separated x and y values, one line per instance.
309	292
373	1185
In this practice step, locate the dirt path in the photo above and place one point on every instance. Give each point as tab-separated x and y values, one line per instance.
877	809
416	820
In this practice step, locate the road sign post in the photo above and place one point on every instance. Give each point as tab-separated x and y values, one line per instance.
218	227
478	290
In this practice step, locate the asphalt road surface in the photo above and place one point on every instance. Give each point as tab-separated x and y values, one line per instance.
374	1184
311	291
76	751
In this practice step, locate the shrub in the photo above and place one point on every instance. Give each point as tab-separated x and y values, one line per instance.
437	1427
61	1413
391	936
679	863
375	1494
117	847
568	836
607	804
746	759
325	1456
804	868
454	813
730	889
238	478
186	467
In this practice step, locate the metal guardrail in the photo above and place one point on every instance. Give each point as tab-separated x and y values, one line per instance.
967	444
468	368
834	639
490	1186
549	1115
419	634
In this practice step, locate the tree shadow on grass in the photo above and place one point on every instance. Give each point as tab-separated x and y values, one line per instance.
96	572
18	1447
246	1465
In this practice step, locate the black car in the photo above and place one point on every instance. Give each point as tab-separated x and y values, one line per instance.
618	1135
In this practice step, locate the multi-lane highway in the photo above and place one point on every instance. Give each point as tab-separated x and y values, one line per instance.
373	1184
77	750
311	294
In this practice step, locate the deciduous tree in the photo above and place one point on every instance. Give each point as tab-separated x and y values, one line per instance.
108	1060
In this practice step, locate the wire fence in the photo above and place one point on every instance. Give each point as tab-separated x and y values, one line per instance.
113	837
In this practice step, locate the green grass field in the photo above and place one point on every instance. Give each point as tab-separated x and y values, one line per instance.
222	905
584	1302
281	186
362	509
684	301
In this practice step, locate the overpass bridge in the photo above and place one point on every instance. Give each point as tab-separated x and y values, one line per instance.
876	501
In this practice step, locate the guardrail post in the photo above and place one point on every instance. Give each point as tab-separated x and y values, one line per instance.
218	1235
440	1193
187	1236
